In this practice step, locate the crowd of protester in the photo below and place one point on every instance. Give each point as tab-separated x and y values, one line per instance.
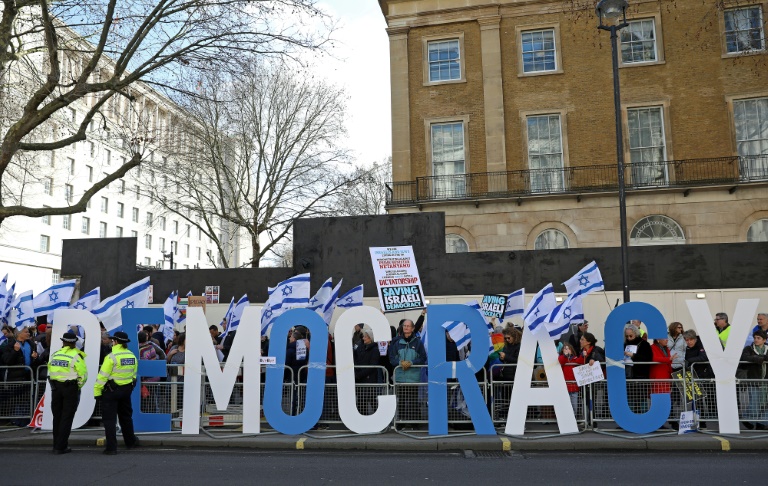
650	365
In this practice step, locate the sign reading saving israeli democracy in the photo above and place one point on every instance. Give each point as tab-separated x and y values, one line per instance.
397	278
494	306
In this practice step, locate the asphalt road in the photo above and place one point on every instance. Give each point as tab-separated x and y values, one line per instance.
234	466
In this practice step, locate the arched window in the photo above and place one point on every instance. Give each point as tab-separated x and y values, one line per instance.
551	239
758	231
656	230
455	244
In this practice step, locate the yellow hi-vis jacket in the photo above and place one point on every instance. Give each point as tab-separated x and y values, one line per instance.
119	366
723	335
68	364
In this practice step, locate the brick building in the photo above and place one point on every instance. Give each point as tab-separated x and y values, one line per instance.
503	118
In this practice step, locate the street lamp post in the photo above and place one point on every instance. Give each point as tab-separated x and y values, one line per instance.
609	12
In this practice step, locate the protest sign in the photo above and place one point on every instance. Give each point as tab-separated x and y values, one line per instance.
493	306
690	387
689	422
212	294
397	278
196	301
587	374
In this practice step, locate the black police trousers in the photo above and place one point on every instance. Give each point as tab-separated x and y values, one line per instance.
64	399
116	405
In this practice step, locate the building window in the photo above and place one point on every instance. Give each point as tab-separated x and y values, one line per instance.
539	51
148	242
119	231
175	227
104	205
199	234
751	127
48	186
647	147
638	42
444	60
551	239
656	230
66	222
135	215
108	156
120	209
92	149
45	243
198	253
448	160
189	228
162	222
121	190
68	192
758	231
86	226
138	194
46	219
186	251
102	230
71	166
455	244
134	234
72	115
55	276
744	30
147	261
545	153
161	242
150	218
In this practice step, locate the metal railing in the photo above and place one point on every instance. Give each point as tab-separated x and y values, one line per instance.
580	179
694	388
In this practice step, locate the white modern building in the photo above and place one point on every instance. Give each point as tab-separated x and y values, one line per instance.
30	249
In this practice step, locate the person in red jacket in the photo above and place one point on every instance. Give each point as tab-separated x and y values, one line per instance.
662	367
569	359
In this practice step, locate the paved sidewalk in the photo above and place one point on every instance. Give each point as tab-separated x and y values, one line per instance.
393	441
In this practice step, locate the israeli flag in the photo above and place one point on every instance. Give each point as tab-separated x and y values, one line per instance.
87	302
459	331
22	313
7	304
237	313
586	281
228	318
54	297
515	304
562	316
353	298
170	311
288	294
135	296
6	297
322	296
330	306
540	308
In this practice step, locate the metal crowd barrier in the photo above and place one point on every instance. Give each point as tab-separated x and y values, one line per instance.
233	415
412	398
690	389
366	393
501	393
17	392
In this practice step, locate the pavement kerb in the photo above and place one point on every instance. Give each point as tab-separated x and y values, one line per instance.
392	442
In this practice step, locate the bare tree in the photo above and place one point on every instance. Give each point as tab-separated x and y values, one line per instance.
367	192
263	151
54	54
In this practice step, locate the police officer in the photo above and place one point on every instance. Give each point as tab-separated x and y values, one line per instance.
67	374
117	378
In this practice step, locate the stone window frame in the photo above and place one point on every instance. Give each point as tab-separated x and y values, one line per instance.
729	99
458	236
666	120
428	122
519	29
659	36
633	241
733	5
562	112
749	221
425	40
573	241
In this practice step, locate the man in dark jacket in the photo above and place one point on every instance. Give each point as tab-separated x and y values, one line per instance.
756	355
697	361
20	354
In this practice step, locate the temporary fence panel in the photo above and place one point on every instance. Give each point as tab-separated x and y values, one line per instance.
17	393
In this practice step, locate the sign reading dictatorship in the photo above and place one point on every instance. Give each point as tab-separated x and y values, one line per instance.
397	278
223	380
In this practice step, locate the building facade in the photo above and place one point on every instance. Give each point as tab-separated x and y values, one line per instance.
141	121
503	119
